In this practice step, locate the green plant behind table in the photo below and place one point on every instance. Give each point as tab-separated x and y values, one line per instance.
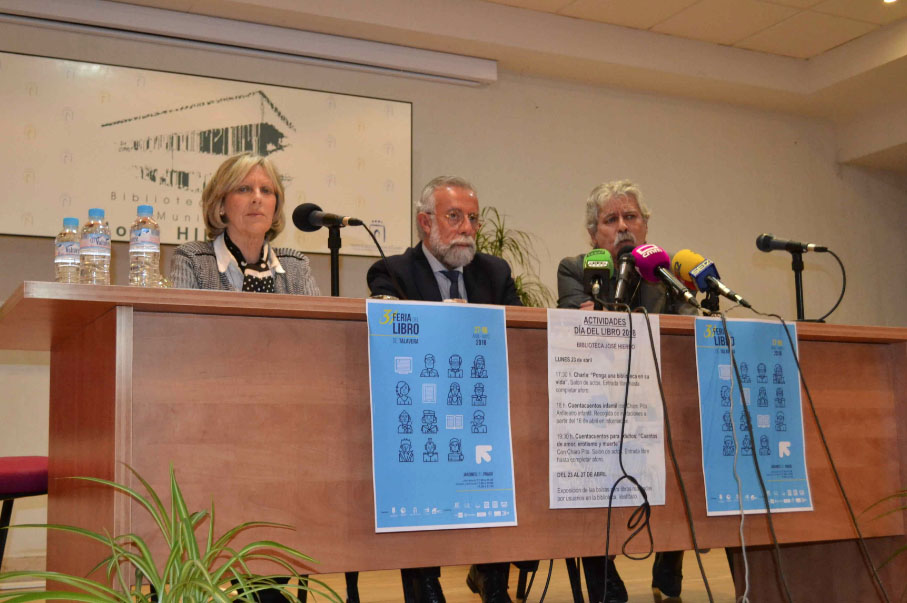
191	573
517	247
898	503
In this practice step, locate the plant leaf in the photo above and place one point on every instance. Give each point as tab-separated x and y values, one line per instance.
517	248
189	574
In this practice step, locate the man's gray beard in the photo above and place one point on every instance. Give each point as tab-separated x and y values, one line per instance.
452	254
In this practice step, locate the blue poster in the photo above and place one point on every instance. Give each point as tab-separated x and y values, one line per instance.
771	387
440	398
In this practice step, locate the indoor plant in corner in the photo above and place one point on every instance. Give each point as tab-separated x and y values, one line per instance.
192	572
517	247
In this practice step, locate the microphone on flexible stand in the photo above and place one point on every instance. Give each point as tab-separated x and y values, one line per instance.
767	242
308	217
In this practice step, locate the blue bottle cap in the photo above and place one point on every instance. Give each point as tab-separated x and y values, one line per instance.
146	211
96	213
70	222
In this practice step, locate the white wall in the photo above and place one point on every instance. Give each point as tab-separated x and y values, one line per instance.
714	175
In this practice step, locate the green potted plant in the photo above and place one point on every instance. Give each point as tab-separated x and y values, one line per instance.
517	247
210	571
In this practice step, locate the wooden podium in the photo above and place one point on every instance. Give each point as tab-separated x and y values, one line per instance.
261	404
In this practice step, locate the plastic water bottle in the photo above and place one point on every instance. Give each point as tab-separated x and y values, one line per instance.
66	252
94	250
145	250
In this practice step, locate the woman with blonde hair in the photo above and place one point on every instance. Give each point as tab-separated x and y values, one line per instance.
243	211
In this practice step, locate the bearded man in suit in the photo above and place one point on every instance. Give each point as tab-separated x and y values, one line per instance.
445	263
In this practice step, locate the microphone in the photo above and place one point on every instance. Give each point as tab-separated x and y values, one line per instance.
768	242
308	217
653	264
625	273
698	272
597	269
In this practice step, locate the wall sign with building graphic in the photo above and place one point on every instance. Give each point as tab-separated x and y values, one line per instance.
81	135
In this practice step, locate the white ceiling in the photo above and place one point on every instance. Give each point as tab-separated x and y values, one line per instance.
795	28
842	60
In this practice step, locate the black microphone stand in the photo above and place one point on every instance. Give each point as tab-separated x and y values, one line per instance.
797	267
334	245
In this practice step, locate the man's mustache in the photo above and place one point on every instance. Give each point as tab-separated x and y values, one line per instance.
624	236
463	240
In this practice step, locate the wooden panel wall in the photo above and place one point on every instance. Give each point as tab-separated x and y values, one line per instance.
270	416
89	400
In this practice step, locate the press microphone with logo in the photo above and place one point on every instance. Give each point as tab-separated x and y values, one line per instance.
698	272
654	264
308	217
597	270
625	274
767	242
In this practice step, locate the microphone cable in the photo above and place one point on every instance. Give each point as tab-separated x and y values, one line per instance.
671	451
384	257
782	577
840	297
547	583
834	469
744	598
670	441
746	565
639	518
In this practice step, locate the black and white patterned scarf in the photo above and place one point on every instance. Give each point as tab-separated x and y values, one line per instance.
257	276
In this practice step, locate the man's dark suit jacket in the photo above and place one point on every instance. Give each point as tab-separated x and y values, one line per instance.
487	278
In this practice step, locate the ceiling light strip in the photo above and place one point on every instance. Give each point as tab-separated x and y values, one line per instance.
177	28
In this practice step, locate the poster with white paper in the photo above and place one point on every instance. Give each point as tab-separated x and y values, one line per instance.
589	403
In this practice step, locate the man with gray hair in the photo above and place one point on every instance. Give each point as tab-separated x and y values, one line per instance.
446	265
617	217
